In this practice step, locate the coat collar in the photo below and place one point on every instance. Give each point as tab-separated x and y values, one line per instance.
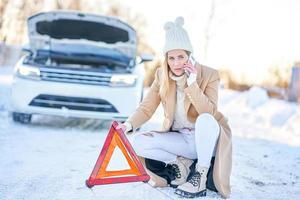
199	79
199	73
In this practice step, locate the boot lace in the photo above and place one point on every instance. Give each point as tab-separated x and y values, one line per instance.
195	179
176	170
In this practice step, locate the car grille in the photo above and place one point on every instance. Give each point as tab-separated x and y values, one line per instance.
75	76
73	103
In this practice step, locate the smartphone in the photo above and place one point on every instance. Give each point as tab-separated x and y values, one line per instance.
192	60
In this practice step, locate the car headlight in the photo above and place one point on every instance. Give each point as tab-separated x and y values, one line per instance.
28	72
123	80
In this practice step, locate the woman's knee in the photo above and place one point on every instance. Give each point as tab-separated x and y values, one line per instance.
205	118
206	121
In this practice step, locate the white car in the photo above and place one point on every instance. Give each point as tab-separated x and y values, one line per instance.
79	65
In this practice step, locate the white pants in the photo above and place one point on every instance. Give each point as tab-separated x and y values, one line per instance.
196	144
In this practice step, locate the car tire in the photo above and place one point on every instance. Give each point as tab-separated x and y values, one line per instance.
21	117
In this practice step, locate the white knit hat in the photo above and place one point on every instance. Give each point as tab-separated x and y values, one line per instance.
176	36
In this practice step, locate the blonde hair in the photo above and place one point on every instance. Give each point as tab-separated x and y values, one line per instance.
165	78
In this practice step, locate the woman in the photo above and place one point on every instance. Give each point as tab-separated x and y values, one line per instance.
193	128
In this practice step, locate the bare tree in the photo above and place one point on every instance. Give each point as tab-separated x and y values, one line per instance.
207	33
136	20
14	13
2	10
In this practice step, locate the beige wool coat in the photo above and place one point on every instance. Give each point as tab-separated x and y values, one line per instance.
200	97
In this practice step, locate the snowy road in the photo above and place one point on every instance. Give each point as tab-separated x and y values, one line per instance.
52	157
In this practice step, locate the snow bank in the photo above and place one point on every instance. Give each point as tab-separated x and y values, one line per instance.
256	96
254	115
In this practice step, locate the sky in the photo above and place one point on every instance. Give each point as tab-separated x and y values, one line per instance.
247	36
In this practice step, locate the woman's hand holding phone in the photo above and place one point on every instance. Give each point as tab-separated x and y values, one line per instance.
190	70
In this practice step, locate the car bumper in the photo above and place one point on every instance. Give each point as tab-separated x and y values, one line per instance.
74	100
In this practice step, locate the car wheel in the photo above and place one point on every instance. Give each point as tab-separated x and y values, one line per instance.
21	117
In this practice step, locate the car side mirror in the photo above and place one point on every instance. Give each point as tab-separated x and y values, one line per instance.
26	48
146	57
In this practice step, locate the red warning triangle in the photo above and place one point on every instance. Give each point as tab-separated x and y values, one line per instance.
99	175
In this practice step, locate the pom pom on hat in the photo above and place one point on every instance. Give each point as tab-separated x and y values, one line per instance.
169	25
176	36
179	21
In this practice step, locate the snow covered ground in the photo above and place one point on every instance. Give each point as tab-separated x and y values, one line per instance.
52	157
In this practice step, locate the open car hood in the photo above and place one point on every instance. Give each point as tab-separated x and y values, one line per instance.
52	30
